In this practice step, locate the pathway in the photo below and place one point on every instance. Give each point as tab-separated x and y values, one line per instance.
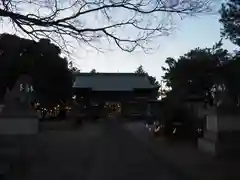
96	152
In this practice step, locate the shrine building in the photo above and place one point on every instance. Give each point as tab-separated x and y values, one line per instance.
122	93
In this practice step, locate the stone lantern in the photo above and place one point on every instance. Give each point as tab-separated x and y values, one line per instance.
197	104
222	134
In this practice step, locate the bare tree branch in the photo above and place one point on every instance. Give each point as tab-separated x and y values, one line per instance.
127	23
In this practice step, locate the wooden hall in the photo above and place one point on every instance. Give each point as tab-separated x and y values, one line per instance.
126	94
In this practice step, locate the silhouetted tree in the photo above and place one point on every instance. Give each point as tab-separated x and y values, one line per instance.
52	79
55	84
230	74
230	17
93	71
152	80
60	19
197	71
140	70
192	76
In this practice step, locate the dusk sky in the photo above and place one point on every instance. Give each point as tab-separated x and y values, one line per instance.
193	32
202	31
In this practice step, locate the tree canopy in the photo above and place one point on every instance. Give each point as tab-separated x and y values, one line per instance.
230	19
152	79
199	70
127	23
93	71
52	79
140	70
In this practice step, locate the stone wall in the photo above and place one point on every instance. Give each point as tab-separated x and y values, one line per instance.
223	123
229	123
222	135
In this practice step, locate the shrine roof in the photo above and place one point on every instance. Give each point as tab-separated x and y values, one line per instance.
112	81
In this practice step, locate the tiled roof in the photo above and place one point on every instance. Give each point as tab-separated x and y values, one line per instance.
112	81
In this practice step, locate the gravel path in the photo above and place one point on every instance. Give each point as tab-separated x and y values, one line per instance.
97	152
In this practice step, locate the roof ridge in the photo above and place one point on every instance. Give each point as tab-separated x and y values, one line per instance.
107	73
112	81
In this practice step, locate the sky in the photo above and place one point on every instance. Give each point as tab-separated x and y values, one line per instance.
191	33
202	31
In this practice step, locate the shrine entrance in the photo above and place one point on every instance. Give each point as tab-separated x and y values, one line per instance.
113	108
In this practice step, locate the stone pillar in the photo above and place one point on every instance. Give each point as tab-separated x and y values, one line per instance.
18	116
222	134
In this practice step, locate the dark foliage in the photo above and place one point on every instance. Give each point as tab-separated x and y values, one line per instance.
52	79
152	80
230	19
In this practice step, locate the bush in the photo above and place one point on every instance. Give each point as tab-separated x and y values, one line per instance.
185	122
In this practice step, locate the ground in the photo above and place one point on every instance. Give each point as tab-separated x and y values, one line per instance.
103	151
185	157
